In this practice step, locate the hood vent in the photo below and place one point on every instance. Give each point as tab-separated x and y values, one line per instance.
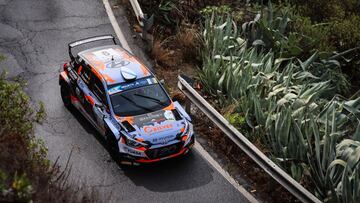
128	126
176	114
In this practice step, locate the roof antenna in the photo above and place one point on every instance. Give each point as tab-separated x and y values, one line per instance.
112	61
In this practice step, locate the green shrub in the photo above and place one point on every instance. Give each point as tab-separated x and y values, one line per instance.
18	144
168	13
319	10
218	10
21	187
347	31
15	113
340	28
346	34
313	36
236	119
339	19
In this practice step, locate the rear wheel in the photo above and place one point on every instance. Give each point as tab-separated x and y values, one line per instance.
65	95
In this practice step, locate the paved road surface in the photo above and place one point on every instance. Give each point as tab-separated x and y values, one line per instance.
33	37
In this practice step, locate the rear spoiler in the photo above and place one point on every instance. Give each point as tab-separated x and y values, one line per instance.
88	40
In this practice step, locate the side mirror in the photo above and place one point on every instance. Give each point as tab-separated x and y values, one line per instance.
162	81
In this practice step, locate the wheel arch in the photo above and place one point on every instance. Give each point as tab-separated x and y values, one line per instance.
111	127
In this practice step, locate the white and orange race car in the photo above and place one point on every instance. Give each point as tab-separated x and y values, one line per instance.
125	102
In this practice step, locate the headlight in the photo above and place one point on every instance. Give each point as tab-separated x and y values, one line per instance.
188	132
131	142
189	129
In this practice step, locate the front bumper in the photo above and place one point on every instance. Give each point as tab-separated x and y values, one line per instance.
145	156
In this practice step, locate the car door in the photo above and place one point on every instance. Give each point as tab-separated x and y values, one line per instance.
101	108
83	91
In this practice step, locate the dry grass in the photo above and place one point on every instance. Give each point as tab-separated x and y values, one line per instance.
171	76
177	95
176	55
165	56
160	54
175	51
189	40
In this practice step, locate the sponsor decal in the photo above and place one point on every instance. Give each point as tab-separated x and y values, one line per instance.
117	63
163	140
106	54
169	115
155	129
131	85
149	119
132	151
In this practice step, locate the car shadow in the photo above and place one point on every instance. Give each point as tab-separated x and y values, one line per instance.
183	173
87	126
177	174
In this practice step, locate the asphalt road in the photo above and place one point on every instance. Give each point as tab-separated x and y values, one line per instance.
33	37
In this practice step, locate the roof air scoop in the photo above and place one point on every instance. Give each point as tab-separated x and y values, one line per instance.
128	74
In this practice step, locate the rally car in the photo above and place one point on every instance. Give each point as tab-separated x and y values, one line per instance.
125	102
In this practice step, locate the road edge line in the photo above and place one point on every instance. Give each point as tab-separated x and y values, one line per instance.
197	146
224	173
120	35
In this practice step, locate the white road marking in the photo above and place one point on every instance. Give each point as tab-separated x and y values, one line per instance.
225	174
116	27
197	146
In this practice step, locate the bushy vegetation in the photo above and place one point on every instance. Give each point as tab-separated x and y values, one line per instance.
26	174
333	25
287	102
274	29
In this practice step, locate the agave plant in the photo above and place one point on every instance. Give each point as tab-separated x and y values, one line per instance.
269	29
285	105
348	152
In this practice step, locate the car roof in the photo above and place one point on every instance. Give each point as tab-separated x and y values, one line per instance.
109	60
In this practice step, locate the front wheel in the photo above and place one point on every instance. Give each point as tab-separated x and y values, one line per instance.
65	95
112	146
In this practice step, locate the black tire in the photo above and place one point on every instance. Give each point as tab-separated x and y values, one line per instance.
112	146
65	95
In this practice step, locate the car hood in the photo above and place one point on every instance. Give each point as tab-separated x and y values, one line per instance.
159	127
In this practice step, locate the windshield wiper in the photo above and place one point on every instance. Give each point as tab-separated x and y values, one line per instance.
151	98
136	104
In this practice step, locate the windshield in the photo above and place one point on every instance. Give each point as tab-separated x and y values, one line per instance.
140	100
